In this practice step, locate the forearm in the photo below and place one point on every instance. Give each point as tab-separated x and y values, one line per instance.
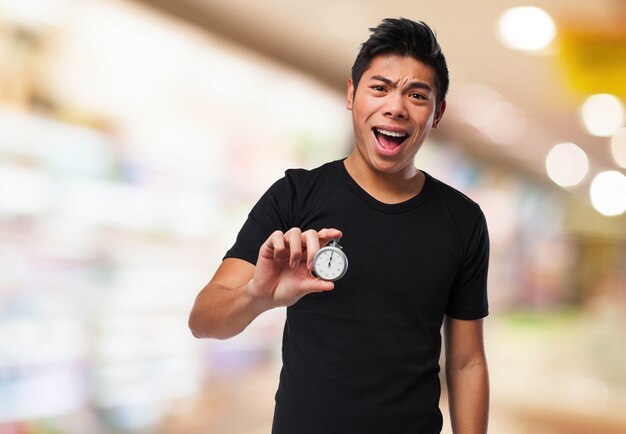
468	398
221	312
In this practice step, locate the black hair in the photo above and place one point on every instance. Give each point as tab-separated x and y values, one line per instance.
403	37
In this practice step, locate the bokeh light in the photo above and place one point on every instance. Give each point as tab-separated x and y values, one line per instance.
608	193
526	28
567	164
618	146
602	114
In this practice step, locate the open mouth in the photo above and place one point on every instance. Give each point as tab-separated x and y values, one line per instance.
390	140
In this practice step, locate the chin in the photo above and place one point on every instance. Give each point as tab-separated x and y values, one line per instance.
387	167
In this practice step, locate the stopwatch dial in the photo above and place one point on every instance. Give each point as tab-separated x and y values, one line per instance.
330	264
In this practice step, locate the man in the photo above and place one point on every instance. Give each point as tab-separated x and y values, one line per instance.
360	355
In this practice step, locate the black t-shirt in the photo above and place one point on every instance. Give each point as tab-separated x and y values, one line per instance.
363	358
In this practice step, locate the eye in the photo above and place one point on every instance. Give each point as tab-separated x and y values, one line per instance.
417	95
378	88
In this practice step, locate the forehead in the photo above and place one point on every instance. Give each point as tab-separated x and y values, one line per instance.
401	69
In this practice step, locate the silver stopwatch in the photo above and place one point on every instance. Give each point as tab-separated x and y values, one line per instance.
330	262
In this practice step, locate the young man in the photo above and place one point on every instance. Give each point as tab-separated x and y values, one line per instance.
360	355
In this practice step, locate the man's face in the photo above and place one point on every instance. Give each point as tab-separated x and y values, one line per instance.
393	110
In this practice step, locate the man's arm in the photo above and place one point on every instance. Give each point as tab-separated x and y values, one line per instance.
240	291
467	376
223	308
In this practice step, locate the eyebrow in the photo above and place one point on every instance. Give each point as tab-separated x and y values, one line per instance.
412	85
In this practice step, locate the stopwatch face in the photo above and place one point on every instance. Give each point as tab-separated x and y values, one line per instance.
330	263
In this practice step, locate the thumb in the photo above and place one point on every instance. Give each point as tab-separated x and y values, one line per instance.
314	284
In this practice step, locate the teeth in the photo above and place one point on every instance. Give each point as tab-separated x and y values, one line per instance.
390	133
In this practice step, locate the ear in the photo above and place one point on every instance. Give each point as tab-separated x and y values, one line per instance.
439	113
350	98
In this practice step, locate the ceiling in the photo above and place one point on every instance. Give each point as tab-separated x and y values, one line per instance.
323	37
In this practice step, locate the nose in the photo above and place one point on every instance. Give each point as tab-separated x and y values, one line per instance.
394	107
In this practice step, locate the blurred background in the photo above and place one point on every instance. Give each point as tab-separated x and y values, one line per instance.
135	135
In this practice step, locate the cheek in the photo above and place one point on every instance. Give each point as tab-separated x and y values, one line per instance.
423	117
364	110
357	115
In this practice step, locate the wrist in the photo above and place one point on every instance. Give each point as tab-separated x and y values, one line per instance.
256	299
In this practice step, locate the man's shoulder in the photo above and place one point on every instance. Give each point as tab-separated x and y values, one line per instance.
303	176
453	197
303	172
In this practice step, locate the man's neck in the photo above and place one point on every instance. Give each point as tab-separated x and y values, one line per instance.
385	187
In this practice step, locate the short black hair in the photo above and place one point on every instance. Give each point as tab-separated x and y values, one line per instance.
404	37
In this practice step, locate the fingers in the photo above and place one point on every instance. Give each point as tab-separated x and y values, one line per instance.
316	285
311	240
327	235
314	240
286	245
276	243
293	238
294	244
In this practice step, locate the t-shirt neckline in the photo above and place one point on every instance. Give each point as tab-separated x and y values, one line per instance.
371	201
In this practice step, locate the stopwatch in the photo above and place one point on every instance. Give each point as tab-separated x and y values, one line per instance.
330	262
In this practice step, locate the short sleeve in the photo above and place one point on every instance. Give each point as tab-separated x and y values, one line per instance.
468	297
270	213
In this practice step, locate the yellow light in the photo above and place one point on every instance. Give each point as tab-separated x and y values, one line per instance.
593	57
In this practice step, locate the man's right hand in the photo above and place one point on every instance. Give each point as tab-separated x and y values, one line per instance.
282	275
240	291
